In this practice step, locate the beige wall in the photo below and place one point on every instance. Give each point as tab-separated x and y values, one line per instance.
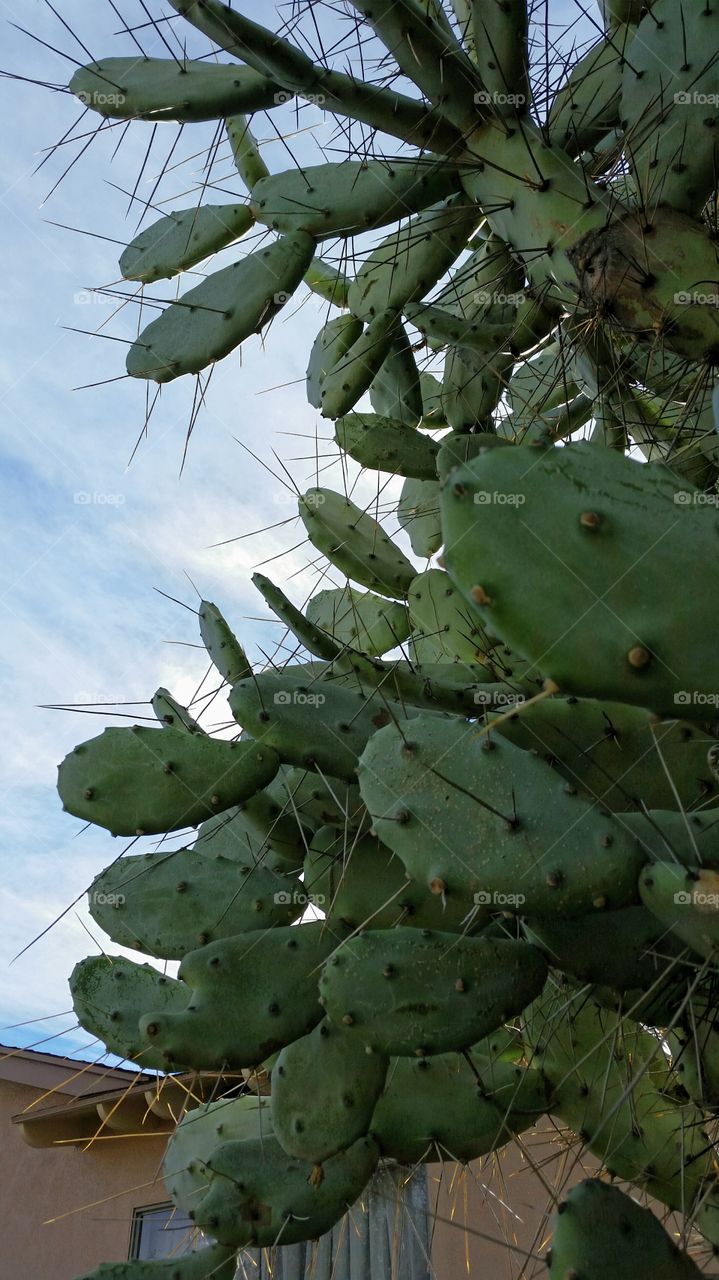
39	1184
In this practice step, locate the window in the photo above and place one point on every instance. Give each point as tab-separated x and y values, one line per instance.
161	1231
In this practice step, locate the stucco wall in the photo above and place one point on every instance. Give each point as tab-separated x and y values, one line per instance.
36	1185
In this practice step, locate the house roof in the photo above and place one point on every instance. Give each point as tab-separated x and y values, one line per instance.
86	1103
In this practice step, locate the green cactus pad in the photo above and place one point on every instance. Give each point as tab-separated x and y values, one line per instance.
332	342
110	994
148	781
260	1196
313	637
199	1133
418	515
167	904
668	102
685	901
386	445
359	619
611	1083
315	1123
482	818
209	321
600	1232
276	971
350	197
172	715
245	151
408	992
265	830
439	1109
620	755
318	725
222	646
321	799
396	390
327	282
471	389
587	105
218	1262
355	543
426	247
166	89
630	533
359	883
182	239
627	950
448	626
346	381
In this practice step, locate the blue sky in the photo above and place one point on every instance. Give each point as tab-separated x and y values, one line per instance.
86	540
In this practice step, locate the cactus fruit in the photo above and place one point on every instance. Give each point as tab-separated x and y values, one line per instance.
600	1232
167	904
142	781
276	970
408	993
314	1125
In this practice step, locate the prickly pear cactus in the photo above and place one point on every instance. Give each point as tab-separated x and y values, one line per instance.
473	794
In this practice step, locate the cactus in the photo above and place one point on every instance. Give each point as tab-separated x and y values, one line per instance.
473	787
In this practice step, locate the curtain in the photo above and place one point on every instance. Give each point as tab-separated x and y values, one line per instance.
384	1236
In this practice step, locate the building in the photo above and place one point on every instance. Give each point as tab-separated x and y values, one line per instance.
80	1176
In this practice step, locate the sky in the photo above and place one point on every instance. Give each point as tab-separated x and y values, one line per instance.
88	541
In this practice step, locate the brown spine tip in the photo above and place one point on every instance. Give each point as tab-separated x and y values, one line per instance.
479	595
590	520
437	886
